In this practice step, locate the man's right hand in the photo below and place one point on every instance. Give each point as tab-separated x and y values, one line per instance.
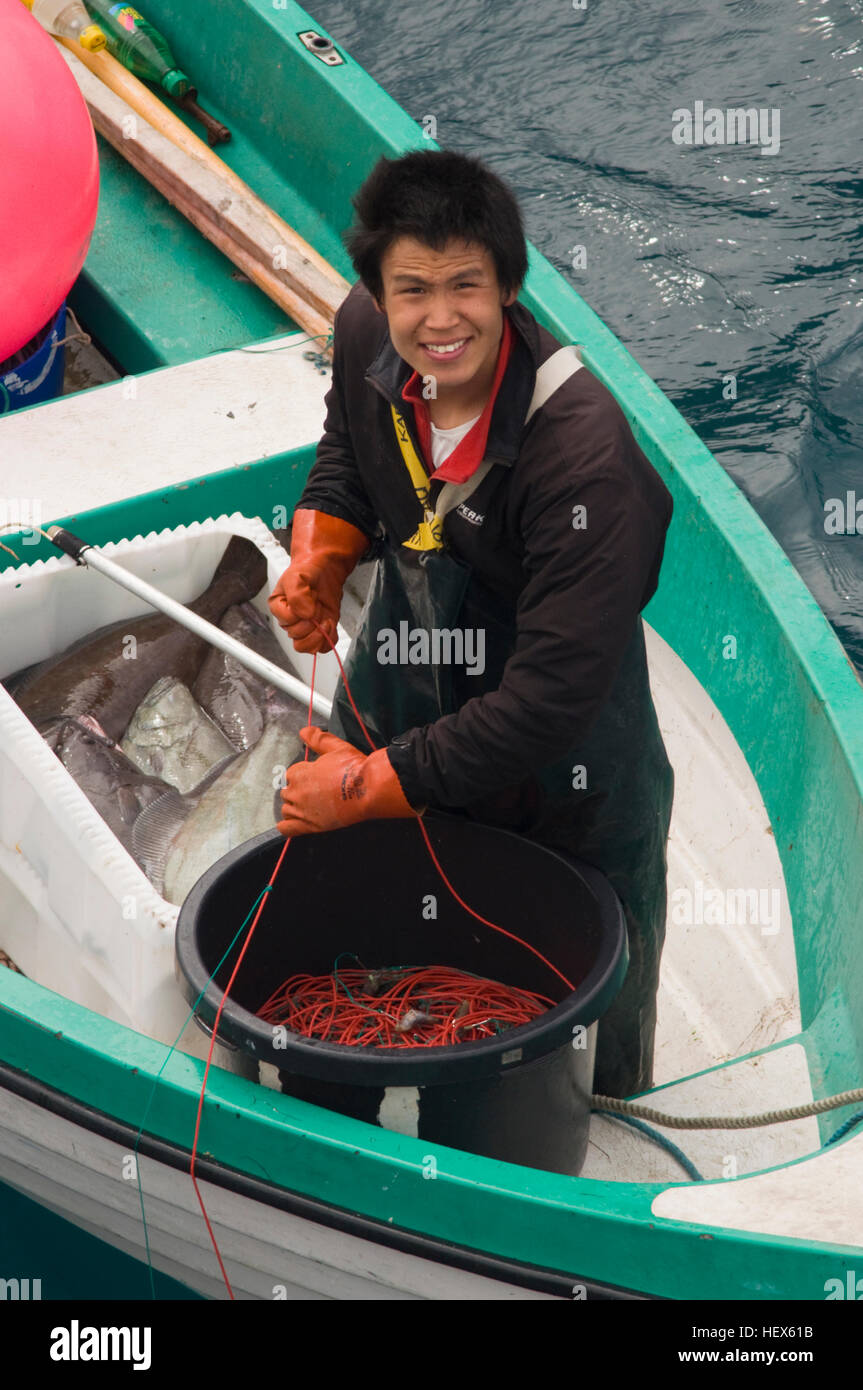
324	550
301	596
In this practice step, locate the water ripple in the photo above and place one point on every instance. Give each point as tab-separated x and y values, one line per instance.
705	260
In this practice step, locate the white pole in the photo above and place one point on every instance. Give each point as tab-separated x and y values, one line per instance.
289	685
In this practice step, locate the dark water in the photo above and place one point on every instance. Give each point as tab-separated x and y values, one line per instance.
68	1263
705	261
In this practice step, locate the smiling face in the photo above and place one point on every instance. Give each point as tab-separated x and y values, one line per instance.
445	315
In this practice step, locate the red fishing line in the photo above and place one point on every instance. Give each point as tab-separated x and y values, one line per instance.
227	990
449	1005
217	1019
406	1006
417	1007
493	925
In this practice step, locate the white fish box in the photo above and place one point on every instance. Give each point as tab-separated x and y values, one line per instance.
77	914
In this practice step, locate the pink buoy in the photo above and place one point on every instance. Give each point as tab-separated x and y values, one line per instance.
49	178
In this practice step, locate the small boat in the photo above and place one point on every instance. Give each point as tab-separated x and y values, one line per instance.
216	414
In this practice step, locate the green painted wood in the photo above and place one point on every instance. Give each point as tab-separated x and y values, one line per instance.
269	489
584	1228
153	290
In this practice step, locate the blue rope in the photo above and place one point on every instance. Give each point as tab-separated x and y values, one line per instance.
190	1015
843	1129
686	1164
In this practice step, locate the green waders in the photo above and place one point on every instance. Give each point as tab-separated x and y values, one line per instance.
614	815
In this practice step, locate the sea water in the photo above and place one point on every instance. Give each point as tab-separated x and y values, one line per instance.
728	264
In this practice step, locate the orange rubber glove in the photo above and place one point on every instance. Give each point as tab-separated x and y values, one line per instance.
324	550
341	787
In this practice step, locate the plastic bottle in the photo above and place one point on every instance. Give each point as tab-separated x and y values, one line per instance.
140	47
135	43
69	20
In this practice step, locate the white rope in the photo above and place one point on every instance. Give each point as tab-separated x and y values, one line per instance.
768	1117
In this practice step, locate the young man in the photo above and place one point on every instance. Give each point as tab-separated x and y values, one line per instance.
518	531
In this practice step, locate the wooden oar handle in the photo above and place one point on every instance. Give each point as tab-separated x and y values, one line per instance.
234	221
316	279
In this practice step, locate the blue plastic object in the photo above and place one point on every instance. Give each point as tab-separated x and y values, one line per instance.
40	377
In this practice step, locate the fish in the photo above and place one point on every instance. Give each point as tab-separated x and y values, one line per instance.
235	697
117	789
159	824
243	802
170	736
98	678
17	679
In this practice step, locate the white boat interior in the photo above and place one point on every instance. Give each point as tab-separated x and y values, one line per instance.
728	1004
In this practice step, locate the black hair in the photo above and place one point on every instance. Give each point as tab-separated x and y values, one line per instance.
436	196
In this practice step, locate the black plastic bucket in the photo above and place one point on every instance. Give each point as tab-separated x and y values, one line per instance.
370	890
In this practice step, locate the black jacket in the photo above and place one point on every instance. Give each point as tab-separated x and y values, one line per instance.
573	594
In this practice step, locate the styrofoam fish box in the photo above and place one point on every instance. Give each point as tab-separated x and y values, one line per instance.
77	914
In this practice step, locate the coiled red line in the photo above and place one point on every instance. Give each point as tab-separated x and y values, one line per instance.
408	1006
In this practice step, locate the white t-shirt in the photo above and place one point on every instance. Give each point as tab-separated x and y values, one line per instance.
444	441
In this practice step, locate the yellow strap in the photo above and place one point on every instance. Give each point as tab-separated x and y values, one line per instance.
428	535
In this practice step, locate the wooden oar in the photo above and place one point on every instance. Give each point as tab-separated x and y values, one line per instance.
316	325
208	192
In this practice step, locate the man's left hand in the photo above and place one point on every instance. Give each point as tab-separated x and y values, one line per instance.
343	786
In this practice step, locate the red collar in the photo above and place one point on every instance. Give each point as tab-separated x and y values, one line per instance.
469	453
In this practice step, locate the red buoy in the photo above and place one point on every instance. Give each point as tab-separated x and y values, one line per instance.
49	178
